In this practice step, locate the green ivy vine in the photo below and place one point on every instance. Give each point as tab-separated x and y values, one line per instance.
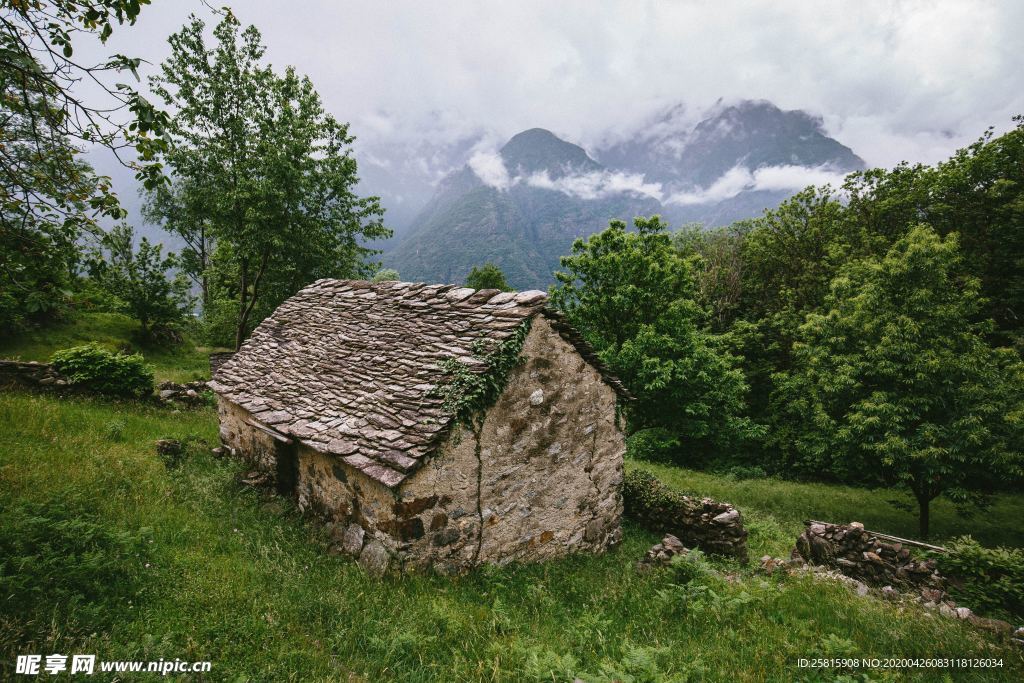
466	394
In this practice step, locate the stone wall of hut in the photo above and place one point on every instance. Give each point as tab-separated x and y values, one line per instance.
540	479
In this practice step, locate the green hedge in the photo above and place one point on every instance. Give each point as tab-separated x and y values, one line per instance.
113	374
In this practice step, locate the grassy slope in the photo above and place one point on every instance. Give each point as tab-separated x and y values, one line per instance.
238	577
114	331
777	509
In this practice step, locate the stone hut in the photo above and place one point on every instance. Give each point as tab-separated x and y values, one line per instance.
351	398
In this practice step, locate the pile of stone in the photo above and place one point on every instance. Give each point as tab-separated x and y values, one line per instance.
352	539
661	554
710	525
862	555
30	374
190	394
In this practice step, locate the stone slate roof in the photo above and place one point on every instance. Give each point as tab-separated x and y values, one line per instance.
347	366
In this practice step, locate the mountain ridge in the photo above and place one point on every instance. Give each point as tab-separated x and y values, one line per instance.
522	206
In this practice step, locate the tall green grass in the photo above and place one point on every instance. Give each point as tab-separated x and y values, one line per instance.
201	567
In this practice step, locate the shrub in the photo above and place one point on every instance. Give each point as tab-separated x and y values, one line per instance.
988	580
386	275
654	445
113	374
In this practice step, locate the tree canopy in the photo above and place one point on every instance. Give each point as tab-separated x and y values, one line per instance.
487	276
632	296
263	177
50	200
894	382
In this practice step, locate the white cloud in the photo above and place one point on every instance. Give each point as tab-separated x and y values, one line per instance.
795	177
490	169
596	184
907	80
730	184
739	179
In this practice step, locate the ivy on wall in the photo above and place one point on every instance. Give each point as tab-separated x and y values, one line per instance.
468	393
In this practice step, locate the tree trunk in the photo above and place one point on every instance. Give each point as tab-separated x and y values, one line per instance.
204	263
246	311
923	503
243	293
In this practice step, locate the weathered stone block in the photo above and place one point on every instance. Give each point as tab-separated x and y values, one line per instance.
375	558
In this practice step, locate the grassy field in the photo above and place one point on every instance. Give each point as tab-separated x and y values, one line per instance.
105	549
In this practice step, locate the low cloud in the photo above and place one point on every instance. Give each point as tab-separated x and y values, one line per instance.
777	178
596	184
490	169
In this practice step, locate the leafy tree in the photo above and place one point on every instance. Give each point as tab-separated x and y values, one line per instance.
180	212
632	294
487	276
894	382
978	193
787	258
49	198
386	275
718	268
257	156
138	278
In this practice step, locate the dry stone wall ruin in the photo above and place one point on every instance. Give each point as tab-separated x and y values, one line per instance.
15	373
859	554
710	525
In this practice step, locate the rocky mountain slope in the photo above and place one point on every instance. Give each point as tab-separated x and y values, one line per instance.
522	206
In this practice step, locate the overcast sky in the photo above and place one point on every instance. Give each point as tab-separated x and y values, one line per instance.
892	80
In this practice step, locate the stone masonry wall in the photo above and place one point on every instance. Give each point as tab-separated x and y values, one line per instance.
542	476
859	554
30	374
244	440
710	525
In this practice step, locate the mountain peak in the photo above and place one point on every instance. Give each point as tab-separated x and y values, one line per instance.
537	149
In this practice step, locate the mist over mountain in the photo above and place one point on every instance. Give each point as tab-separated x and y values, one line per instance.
514	208
521	206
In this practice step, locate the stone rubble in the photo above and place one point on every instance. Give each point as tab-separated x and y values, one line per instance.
35	375
851	555
31	374
661	554
189	394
